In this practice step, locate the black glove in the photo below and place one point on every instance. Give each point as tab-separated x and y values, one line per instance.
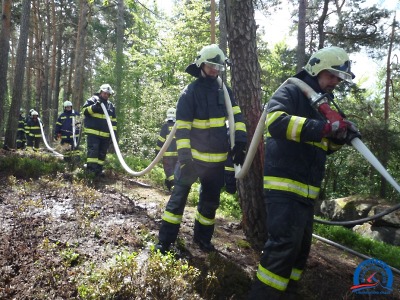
352	132
186	163
96	108
238	153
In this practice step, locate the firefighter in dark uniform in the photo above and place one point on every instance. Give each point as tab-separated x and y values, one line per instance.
298	141
33	131
21	137
96	128
202	149
64	129
170	156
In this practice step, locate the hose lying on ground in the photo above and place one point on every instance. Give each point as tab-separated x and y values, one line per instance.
45	141
332	243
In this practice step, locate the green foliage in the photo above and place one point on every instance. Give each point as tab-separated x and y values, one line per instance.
229	205
382	251
129	276
30	167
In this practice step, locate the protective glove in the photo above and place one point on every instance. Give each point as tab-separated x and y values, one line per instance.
352	132
186	163
336	130
238	153
96	108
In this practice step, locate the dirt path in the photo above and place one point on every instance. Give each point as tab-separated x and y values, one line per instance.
44	223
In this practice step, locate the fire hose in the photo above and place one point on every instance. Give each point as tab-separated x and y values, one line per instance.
171	135
45	141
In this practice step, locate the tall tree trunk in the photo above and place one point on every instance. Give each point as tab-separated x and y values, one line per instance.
246	86
16	100
46	108
80	50
385	144
29	71
223	33
301	36
4	50
119	63
321	21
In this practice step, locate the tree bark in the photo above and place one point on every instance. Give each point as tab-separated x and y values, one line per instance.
16	100
80	50
301	36
246	86
4	51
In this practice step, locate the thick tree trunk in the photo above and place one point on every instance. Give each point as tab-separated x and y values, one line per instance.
301	36
4	50
12	123
247	90
80	50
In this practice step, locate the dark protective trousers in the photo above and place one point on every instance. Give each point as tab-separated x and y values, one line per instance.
33	142
212	180
289	225
96	153
169	163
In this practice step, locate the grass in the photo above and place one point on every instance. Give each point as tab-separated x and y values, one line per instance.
382	251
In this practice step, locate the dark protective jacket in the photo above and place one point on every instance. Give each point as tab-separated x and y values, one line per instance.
295	151
164	133
64	124
95	119
21	128
32	128
201	127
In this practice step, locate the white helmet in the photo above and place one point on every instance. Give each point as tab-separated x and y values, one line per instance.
332	59
106	88
171	114
211	55
21	110
67	103
34	113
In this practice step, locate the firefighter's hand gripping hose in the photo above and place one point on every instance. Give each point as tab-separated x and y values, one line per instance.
45	141
118	152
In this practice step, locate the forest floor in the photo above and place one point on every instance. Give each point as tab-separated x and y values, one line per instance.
46	223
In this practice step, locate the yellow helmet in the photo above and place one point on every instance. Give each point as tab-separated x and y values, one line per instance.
333	59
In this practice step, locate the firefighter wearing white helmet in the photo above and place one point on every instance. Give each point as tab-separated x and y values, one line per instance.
202	148
96	128
298	141
332	59
66	128
21	137
170	156
33	131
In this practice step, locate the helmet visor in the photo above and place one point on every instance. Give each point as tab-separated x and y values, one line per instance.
215	66
343	71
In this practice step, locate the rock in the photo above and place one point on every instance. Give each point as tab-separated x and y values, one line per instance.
392	219
347	209
390	235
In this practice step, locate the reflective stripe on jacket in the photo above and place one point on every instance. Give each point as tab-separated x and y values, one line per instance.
96	123
201	127
164	133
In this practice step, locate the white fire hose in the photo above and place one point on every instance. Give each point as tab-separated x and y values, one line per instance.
45	141
118	152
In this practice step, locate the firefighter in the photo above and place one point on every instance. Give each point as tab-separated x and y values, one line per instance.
33	131
21	137
202	149
298	141
64	129
96	128
170	156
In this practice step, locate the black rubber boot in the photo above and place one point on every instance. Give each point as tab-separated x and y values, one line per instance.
261	291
